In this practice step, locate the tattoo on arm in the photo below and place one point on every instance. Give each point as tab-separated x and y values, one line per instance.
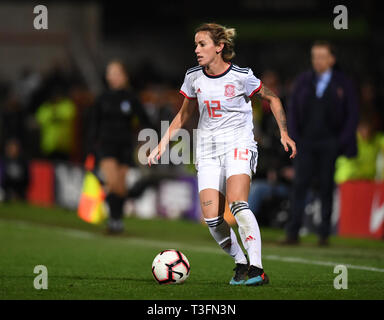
269	92
283	120
265	93
277	108
207	203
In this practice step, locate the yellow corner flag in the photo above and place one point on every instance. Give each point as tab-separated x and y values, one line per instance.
91	205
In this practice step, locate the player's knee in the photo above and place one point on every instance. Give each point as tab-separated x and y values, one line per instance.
211	209
236	196
238	206
209	214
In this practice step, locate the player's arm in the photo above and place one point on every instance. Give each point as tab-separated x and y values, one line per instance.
279	114
185	112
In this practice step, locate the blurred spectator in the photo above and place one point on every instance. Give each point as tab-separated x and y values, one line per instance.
28	82
56	120
322	119
114	119
13	120
369	103
15	171
275	172
152	98
363	166
83	100
58	73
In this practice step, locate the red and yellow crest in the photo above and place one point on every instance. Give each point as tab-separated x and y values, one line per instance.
229	90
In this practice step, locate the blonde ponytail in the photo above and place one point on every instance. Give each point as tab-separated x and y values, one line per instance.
230	33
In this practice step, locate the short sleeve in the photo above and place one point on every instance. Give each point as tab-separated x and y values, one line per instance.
252	84
187	88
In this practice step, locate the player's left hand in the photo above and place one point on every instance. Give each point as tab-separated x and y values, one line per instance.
287	141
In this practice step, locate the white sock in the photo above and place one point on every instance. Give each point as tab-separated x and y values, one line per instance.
249	231
226	238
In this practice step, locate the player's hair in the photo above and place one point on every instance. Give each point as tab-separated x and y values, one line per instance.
220	34
327	44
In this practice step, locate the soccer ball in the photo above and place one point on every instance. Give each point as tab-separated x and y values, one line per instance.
170	267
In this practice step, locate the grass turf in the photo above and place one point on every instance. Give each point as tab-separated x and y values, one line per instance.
84	263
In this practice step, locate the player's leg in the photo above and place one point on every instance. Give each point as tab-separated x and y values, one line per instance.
213	205
237	195
239	171
211	183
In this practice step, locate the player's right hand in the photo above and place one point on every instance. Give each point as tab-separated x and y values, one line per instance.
155	155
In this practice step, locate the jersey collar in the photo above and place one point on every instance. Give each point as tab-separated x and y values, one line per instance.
218	75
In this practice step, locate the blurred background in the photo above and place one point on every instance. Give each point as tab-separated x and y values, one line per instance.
65	65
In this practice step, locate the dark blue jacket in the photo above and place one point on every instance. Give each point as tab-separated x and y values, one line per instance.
344	115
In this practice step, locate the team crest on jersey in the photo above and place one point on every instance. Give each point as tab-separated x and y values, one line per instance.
229	90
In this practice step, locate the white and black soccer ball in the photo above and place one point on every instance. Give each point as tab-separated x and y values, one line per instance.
170	266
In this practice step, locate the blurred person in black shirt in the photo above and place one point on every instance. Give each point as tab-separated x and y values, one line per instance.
15	174
112	138
12	120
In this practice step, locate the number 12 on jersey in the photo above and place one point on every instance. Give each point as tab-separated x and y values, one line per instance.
213	106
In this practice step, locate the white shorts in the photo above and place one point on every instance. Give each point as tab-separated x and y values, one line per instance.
213	173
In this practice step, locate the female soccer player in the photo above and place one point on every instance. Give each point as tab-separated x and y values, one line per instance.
226	152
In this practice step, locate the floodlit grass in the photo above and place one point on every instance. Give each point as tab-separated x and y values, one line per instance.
84	263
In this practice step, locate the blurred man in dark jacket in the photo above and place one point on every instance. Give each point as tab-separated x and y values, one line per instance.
322	119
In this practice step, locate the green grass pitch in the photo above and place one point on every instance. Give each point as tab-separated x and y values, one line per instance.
84	263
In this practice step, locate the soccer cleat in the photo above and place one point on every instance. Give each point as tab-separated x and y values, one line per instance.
241	271
256	277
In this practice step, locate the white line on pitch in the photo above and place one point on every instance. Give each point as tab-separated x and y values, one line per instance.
320	263
169	245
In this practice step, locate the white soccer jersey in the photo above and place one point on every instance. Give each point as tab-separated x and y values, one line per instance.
225	108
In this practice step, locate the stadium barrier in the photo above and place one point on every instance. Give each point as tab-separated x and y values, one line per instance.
61	183
362	209
41	189
358	207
